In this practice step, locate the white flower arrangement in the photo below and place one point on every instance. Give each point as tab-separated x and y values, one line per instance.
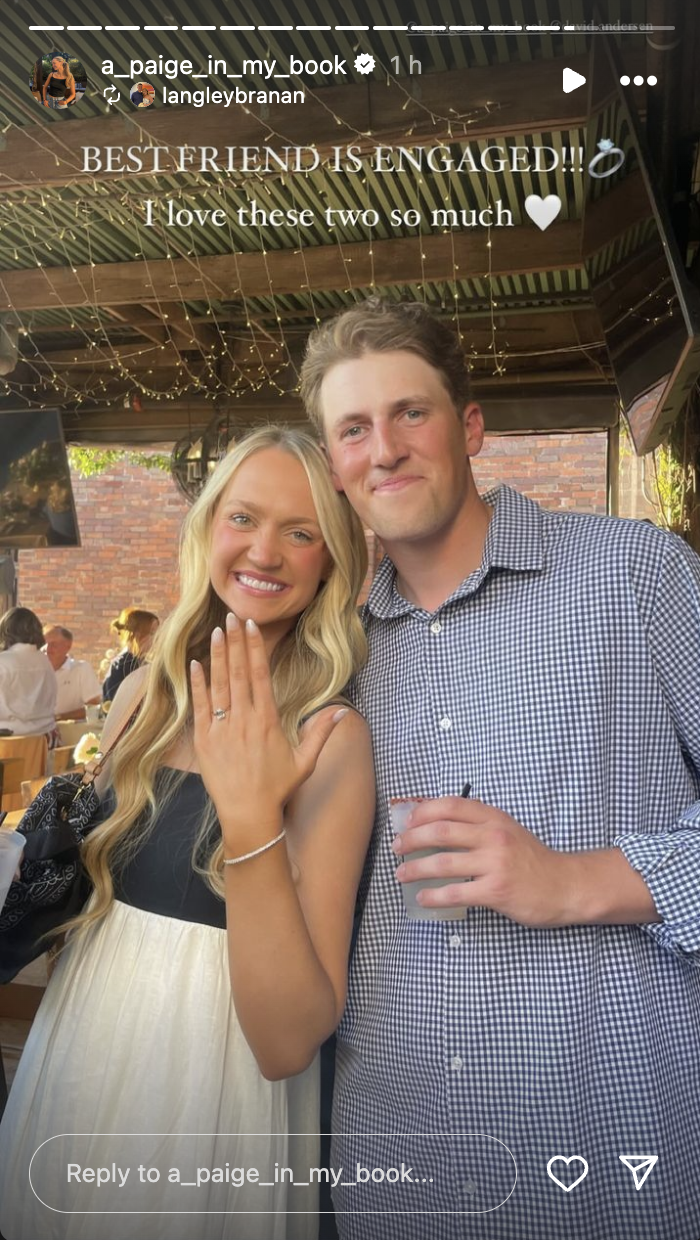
87	747
107	662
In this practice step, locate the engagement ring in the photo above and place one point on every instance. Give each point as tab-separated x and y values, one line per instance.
219	714
606	150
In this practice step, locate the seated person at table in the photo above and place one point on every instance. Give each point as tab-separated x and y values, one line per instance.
78	685
135	628
27	680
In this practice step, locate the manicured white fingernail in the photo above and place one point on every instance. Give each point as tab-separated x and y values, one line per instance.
217	636
251	626
195	666
231	622
340	714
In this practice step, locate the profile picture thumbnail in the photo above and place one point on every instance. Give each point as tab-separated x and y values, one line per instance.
142	94
57	80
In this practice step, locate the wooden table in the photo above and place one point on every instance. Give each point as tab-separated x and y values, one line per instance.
71	730
13	820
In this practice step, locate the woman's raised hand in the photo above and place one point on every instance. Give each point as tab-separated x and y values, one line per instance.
248	765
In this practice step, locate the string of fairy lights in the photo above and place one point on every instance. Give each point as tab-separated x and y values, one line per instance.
241	343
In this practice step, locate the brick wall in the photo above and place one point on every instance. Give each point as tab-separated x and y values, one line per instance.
559	471
130	519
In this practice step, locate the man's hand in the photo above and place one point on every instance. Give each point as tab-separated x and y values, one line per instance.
513	873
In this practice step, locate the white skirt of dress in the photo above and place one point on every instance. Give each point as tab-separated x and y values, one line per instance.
136	1047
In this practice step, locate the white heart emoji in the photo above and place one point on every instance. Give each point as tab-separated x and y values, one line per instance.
543	211
572	1158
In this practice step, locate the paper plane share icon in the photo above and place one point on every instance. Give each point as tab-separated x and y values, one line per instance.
641	1166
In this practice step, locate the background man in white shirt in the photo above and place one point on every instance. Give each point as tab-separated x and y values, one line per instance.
78	685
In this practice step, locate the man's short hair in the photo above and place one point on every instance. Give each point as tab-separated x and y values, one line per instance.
381	326
58	628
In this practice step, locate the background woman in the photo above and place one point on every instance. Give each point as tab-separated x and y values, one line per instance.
134	629
27	680
225	873
59	88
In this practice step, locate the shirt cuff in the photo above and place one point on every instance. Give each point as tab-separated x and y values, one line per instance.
669	863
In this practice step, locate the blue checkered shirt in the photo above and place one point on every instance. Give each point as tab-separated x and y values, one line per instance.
562	680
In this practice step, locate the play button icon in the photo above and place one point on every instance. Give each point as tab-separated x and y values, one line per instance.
571	80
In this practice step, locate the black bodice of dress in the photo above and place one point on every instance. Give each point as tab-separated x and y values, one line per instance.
159	877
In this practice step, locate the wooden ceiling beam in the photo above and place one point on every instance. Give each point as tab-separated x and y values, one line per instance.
403	260
168	322
160	421
136	355
553	329
508	408
612	215
231	320
498	99
518	250
183	332
146	325
233	325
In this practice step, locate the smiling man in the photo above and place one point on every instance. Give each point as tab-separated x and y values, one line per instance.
547	1007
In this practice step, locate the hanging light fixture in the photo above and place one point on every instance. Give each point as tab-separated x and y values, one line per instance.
195	457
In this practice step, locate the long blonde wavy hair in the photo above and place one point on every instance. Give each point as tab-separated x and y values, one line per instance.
311	665
69	79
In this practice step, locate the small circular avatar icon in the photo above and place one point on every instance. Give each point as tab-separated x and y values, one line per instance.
57	80
142	94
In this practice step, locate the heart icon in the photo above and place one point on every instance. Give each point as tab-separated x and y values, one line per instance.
543	211
575	1158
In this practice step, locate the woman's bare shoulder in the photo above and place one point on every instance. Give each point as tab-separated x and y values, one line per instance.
346	760
352	731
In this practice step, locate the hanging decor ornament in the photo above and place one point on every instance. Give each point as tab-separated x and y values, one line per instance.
195	457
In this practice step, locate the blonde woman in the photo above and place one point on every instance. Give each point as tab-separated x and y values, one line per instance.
210	964
58	90
134	629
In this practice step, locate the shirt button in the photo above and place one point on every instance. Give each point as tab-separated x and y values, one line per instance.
455	940
456	1063
470	1187
436	627
445	724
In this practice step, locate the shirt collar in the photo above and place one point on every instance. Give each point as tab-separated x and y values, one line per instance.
515	541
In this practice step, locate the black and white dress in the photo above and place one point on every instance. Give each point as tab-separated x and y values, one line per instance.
136	1046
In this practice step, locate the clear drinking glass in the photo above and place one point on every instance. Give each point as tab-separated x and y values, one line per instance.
399	810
